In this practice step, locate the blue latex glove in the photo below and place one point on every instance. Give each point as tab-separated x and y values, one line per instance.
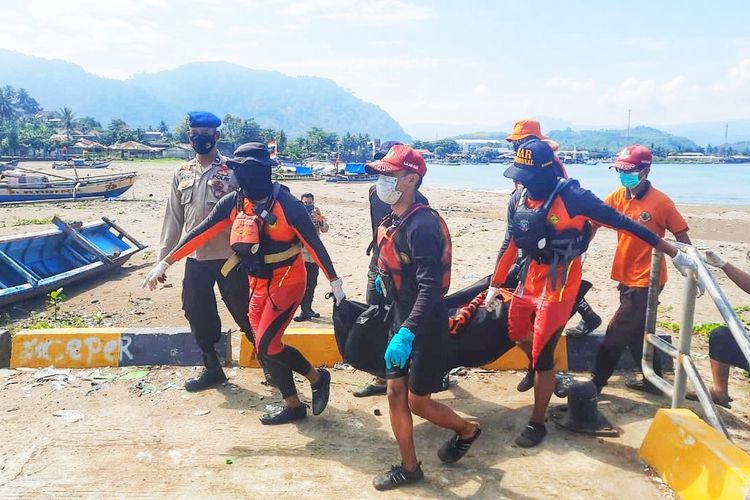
399	348
379	285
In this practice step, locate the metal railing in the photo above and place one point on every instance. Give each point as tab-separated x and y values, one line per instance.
685	368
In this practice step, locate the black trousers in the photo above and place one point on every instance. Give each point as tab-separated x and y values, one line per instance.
199	300
625	329
312	281
372	297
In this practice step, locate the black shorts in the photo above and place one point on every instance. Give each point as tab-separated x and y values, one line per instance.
426	365
723	348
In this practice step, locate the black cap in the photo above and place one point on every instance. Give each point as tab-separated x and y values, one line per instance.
533	159
255	152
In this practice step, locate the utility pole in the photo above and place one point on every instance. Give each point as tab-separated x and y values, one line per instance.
726	138
627	136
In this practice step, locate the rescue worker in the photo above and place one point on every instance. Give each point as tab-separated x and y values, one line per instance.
642	203
378	211
413	245
723	349
548	222
197	186
269	227
321	226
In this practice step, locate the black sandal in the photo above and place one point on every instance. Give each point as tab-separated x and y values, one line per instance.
455	448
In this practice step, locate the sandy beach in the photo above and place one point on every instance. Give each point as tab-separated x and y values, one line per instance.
143	436
476	220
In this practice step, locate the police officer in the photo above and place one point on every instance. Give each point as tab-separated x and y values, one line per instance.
196	187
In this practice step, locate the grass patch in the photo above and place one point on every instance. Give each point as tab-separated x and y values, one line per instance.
703	329
32	222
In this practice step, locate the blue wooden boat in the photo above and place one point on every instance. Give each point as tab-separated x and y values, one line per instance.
36	263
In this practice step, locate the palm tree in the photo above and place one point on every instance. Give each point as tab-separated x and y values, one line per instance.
163	128
8	110
68	119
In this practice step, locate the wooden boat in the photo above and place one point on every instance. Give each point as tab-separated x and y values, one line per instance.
37	263
23	185
8	165
294	172
80	163
353	172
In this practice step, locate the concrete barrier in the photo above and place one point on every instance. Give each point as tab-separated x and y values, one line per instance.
318	345
4	348
95	347
693	458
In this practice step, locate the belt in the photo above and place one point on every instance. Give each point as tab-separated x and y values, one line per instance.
272	258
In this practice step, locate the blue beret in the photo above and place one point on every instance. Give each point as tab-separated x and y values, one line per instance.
203	119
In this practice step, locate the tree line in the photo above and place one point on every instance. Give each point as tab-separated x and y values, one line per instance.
26	127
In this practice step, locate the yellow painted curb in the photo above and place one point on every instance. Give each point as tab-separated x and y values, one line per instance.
318	345
66	347
693	458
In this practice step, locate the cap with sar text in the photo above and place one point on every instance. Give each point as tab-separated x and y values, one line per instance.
633	157
399	157
531	159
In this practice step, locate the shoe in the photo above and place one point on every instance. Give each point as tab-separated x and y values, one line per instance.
446	383
583	328
304	316
397	476
313	314
211	376
643	385
532	435
283	415
691	396
527	382
320	391
455	448
370	389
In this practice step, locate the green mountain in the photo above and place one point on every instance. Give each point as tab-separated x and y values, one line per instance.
294	104
614	140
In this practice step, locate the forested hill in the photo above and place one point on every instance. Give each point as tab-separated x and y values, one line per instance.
294	104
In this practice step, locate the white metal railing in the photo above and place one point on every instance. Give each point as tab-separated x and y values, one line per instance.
685	368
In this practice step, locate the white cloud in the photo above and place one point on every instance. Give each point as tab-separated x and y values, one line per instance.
741	71
359	12
481	90
674	84
560	83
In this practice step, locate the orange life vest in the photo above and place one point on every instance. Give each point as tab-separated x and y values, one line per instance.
392	254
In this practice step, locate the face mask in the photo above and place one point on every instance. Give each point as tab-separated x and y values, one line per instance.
309	208
541	187
202	144
255	181
386	189
630	179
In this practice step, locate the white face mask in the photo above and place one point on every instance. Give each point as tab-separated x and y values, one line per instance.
386	189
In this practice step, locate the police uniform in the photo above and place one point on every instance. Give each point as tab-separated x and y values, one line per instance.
194	193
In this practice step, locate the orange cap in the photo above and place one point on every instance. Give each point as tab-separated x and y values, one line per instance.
525	128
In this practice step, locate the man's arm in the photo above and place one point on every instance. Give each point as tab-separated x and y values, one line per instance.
425	248
174	219
738	276
683	238
217	221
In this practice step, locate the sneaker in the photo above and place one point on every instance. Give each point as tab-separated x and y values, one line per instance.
304	316
397	476
446	383
455	448
532	435
283	415
584	327
527	382
313	314
370	389
320	391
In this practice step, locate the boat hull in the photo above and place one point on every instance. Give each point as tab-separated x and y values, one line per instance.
34	264
352	178
63	190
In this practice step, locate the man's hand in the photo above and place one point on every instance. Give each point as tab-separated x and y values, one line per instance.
399	348
684	264
492	300
337	287
714	259
155	275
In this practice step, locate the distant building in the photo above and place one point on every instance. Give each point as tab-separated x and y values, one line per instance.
152	136
473	145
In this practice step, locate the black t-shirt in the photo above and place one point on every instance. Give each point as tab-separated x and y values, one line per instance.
419	300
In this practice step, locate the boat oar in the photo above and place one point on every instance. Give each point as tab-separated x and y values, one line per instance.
44	173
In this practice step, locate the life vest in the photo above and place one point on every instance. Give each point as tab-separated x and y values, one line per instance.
258	254
393	256
538	240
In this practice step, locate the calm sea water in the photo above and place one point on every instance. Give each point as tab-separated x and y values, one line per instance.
684	183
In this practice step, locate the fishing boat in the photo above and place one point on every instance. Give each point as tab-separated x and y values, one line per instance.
80	163
22	185
36	263
8	165
294	172
353	172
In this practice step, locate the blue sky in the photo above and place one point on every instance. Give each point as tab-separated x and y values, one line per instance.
470	63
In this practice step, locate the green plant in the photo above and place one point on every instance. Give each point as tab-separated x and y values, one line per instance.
29	222
55	299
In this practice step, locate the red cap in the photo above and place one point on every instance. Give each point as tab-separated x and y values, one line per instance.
525	128
633	157
399	157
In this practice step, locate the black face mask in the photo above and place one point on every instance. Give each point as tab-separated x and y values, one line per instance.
202	144
255	181
541	187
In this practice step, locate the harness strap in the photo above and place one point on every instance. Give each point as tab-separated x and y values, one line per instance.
275	258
